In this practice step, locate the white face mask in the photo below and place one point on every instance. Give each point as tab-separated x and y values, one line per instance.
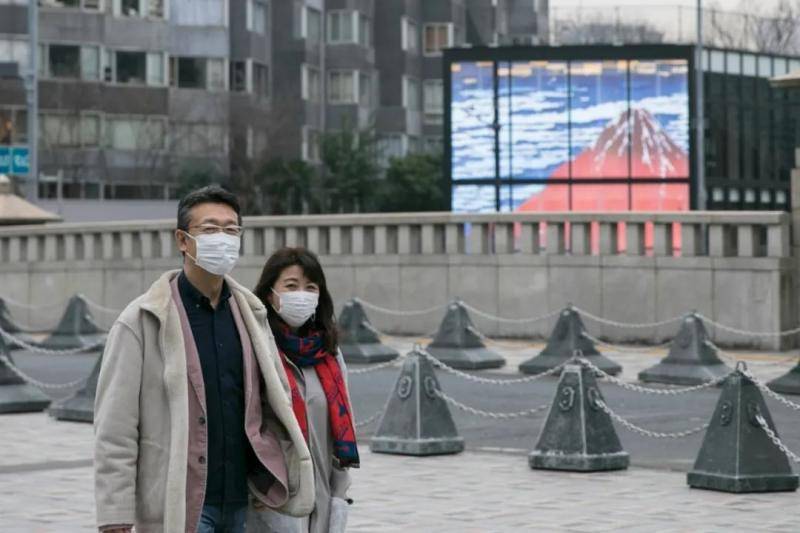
296	307
217	253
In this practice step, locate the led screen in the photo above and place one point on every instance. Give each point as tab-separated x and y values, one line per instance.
572	135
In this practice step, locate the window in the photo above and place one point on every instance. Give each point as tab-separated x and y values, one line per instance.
364	25
15	50
433	106
313	25
410	93
131	8
13	126
437	37
341	87
433	145
341	27
311	84
64	61
89	5
198	13
365	89
261	80
131	67
188	72
238	76
310	149
390	146
409	36
135	133
70	130
155	69
199	139
156	8
215	70
257	16
90	63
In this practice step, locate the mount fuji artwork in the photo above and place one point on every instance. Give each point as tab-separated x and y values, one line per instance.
572	121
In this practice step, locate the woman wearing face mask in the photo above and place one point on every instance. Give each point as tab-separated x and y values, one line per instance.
300	314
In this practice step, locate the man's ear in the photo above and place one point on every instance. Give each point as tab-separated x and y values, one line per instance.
180	240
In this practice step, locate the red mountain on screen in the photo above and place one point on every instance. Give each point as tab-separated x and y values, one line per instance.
653	153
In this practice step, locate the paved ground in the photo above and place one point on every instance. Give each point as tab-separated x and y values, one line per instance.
45	474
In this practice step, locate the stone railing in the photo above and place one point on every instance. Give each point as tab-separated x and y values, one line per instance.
712	234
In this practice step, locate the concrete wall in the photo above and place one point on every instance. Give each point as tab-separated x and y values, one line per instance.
735	268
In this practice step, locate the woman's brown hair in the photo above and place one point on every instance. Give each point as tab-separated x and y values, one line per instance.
324	319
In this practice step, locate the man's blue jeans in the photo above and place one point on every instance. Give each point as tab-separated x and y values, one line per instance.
222	519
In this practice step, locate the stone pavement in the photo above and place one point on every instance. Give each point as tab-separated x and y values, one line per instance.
46	486
46	483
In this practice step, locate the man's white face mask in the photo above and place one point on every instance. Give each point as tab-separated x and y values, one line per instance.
217	253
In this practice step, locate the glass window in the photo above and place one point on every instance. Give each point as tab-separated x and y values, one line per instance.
311	84
391	146
313	25
155	69
780	66
409	36
64	61
135	133
90	130
437	37
156	8
261	80
15	50
257	16
190	72
410	93
131	8
60	130
310	148
432	99
365	89
215	70
341	89
749	65
364	25
733	62
90	63
238	76
341	27
131	67
718	61
764	66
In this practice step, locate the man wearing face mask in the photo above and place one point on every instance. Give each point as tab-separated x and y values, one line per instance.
193	415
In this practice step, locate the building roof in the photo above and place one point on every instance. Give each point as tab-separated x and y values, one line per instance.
787	81
15	210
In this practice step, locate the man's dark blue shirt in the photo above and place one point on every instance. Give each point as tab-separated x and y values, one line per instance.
220	350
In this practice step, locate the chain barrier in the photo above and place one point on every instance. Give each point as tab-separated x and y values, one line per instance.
489	414
489	381
634	325
35	382
626	349
11	339
775	440
748	333
732	358
646	432
416	312
381	333
376	367
496	318
648	390
769	392
371	419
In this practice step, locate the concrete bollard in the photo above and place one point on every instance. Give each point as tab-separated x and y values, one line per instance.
567	338
691	359
358	340
75	329
416	420
16	396
737	455
9	325
578	435
788	383
80	406
458	344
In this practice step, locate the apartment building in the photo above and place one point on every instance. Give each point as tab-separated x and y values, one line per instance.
133	92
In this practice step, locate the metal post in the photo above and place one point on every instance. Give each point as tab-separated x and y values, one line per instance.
700	135
32	94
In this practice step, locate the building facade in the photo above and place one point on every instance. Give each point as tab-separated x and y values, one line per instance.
135	92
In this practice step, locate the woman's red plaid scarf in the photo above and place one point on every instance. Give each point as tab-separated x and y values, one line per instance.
309	351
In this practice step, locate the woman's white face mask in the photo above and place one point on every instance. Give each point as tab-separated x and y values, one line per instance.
296	307
217	253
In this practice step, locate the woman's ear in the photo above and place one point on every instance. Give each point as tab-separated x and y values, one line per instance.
274	301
